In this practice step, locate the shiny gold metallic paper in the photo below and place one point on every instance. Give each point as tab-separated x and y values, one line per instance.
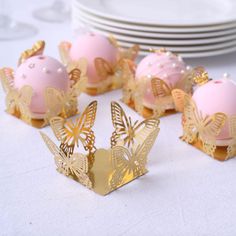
202	131
102	170
113	76
133	92
58	103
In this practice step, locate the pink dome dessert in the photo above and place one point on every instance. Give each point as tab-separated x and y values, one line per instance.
91	46
164	65
41	72
217	96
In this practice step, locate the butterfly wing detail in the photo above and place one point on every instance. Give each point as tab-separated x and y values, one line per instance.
160	88
59	156
78	165
85	124
54	102
130	53
103	68
209	130
120	157
212	126
79	82
190	120
7	79
178	98
37	49
120	123
141	153
144	128
58	127
162	94
25	96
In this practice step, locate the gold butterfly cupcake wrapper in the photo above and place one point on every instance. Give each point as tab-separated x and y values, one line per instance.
58	103
133	92
102	170
113	76
202	131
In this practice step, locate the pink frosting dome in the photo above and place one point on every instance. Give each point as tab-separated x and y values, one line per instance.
217	96
41	72
164	65
91	46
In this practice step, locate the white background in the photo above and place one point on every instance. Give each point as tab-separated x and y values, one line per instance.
185	192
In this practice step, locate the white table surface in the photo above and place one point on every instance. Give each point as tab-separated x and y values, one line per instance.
185	192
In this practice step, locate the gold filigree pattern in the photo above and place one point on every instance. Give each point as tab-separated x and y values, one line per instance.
113	76
231	149
101	169
72	165
71	133
58	103
65	103
130	163
197	127
126	132
17	100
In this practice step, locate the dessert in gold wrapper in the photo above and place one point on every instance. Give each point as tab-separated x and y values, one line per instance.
102	170
42	87
148	89
107	61
209	116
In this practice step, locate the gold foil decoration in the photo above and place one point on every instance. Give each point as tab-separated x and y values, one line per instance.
202	131
113	76
102	170
165	102
17	100
200	76
231	149
37	49
58	103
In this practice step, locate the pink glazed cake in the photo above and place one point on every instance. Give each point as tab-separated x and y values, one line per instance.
217	96
91	46
41	72
163	65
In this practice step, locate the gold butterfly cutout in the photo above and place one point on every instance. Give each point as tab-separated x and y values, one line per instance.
37	49
231	149
65	103
178	98
71	133
199	77
126	132
130	164
129	53
130	85
81	64
74	165
112	75
17	100
202	128
162	94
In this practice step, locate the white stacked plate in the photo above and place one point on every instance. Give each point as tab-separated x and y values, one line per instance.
192	28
